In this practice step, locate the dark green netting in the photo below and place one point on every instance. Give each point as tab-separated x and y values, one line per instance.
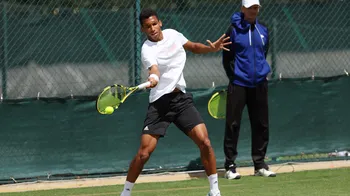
67	137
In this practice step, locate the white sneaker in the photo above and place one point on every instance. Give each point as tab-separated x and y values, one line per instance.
214	193
232	174
265	172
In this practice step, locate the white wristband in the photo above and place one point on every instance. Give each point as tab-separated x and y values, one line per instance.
154	76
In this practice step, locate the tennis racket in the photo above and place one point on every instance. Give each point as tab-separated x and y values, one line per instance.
217	105
114	95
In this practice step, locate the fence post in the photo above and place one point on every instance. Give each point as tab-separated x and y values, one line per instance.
274	48
137	43
4	53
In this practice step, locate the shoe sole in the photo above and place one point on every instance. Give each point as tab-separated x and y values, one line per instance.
236	178
271	175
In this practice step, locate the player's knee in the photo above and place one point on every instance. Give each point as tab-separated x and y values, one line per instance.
143	155
205	144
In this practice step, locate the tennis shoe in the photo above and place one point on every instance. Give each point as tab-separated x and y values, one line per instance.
126	193
232	174
264	172
214	193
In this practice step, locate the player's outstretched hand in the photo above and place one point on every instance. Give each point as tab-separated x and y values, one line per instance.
220	43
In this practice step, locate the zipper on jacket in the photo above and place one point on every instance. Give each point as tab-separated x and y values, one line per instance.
261	36
250	37
254	75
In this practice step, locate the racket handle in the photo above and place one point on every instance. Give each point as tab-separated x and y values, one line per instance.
144	85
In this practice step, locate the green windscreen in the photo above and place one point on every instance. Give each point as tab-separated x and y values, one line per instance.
67	137
57	56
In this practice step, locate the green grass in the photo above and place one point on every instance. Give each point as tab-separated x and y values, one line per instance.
310	183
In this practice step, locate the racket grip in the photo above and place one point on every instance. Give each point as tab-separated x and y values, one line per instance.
144	85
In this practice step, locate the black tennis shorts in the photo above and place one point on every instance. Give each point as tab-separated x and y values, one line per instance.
177	108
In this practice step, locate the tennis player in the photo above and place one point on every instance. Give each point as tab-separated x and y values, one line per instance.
163	54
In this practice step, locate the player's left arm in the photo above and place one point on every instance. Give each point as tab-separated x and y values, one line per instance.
199	48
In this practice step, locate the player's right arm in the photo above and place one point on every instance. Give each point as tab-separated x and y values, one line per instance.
150	62
153	75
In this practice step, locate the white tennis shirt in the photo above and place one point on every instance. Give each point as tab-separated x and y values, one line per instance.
170	56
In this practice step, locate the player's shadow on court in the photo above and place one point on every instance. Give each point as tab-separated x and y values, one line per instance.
195	169
195	164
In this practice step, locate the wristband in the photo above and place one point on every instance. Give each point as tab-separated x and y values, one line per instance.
154	76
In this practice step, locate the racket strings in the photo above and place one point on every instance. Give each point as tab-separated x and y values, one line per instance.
119	92
217	105
113	96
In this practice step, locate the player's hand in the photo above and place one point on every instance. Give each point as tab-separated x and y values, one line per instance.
153	82
220	43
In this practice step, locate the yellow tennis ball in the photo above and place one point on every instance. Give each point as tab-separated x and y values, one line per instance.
109	110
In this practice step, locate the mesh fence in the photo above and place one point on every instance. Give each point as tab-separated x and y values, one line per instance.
66	48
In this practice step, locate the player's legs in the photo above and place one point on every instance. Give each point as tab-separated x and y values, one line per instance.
154	127
191	123
236	100
147	146
199	135
258	114
188	119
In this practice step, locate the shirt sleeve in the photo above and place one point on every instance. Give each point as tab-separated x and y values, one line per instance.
148	57
183	40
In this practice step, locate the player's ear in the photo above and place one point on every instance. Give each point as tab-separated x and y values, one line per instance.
160	23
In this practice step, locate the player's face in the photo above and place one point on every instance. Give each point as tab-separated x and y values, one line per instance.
250	13
152	28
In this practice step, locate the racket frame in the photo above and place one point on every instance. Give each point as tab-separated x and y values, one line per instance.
215	95
129	91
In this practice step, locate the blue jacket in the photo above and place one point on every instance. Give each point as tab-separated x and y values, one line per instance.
245	64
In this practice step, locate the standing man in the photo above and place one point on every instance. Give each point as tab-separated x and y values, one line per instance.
163	54
246	67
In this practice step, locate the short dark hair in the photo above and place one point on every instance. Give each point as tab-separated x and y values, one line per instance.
146	13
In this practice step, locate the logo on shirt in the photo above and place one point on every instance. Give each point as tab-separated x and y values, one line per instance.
172	47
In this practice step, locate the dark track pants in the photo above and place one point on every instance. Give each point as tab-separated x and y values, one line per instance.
256	100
